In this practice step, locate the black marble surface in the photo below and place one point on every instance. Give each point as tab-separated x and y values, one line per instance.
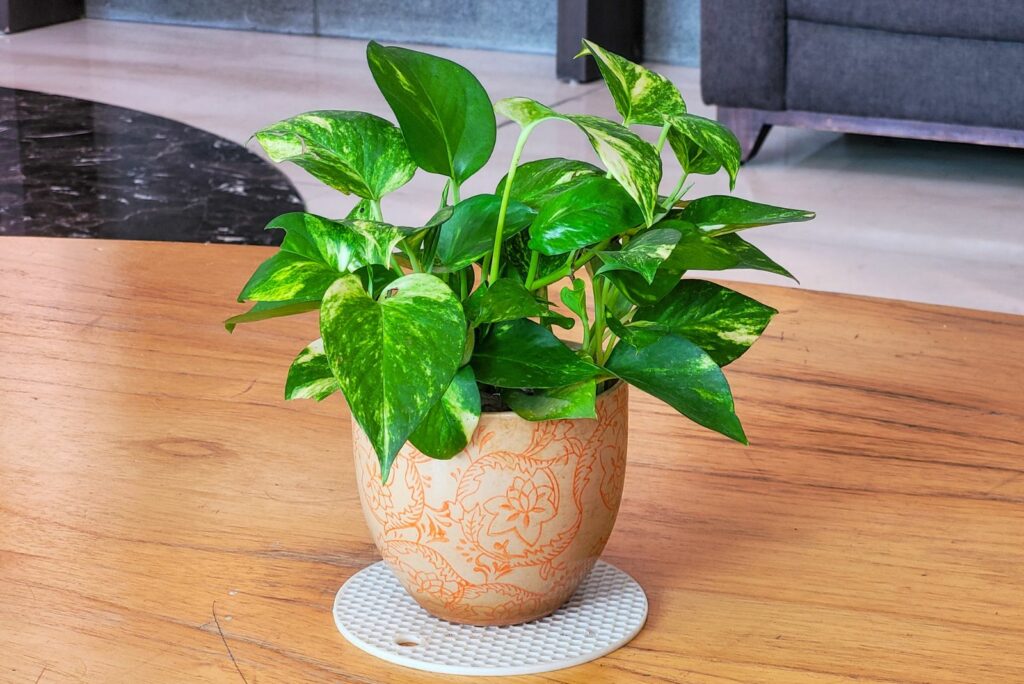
75	168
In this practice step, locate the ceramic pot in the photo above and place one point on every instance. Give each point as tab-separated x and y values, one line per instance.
506	530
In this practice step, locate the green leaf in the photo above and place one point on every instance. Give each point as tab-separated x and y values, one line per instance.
722	322
375	277
690	133
682	375
587	212
354	152
640	95
696	250
363	210
522	353
288	276
310	376
261	311
575	299
721	214
630	160
572	401
538	182
469	233
393	357
449	426
315	251
507	300
643	255
445	114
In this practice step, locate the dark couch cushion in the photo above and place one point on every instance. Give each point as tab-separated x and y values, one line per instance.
982	19
863	72
743	53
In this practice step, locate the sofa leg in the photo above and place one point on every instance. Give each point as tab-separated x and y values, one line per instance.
749	126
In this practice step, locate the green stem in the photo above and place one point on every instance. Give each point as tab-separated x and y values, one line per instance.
506	193
662	137
531	273
455	192
676	192
375	211
444	194
568	270
597	338
463	285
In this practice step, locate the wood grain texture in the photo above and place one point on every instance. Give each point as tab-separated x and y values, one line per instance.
165	516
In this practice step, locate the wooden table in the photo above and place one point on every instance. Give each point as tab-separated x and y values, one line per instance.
165	516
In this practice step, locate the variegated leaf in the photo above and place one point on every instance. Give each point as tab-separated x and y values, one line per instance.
450	424
315	251
690	133
310	376
393	357
640	95
682	375
722	322
630	160
354	152
643	255
261	311
571	401
721	214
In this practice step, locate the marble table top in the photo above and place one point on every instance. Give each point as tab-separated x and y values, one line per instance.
76	168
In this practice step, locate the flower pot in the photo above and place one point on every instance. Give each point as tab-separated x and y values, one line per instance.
506	530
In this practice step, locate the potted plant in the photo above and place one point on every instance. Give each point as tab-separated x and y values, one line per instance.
490	452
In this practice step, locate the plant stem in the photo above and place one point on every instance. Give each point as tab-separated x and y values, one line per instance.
568	270
676	192
531	273
662	137
597	338
455	191
506	193
463	285
375	211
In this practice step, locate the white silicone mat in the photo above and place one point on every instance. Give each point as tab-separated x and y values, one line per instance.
375	613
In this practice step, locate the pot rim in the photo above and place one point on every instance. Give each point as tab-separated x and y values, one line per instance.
617	386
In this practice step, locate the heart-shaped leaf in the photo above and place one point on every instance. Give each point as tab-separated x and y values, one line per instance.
449	426
572	401
592	210
507	300
682	375
630	159
354	152
314	252
690	133
575	299
393	357
722	322
469	233
643	255
444	112
522	353
640	95
538	182
262	311
721	214
310	376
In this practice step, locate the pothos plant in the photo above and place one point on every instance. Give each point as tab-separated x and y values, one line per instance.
418	324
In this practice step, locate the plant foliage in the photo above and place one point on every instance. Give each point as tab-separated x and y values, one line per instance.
417	323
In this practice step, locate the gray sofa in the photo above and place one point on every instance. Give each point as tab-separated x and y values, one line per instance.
933	69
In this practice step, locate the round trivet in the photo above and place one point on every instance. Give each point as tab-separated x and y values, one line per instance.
375	613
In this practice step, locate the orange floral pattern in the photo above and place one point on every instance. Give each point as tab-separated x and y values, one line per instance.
506	530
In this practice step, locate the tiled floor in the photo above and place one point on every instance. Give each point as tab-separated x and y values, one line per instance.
923	221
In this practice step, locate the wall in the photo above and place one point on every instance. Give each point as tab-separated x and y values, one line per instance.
672	26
